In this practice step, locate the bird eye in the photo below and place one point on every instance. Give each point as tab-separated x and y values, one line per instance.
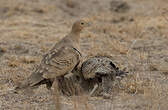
82	23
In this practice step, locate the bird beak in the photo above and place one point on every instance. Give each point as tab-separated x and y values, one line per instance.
89	24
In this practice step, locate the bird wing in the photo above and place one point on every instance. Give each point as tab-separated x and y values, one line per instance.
60	61
100	65
47	65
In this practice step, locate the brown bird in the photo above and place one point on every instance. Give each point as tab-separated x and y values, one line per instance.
59	61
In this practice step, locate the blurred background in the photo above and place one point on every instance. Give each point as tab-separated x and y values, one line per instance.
133	32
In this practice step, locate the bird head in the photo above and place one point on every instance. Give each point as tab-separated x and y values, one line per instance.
79	25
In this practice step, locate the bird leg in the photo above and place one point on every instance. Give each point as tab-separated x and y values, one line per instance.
94	89
55	86
70	80
106	87
55	92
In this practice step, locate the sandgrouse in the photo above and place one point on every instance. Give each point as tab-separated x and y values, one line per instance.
102	70
60	60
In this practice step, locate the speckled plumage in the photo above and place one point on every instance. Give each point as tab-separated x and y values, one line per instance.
101	67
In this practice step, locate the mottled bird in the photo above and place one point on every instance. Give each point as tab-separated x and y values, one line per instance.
102	70
60	60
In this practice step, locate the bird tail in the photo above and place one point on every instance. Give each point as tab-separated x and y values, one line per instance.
32	81
121	73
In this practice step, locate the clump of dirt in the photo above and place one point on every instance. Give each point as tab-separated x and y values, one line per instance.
119	6
2	51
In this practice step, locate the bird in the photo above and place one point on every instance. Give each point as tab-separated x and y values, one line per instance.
101	69
59	61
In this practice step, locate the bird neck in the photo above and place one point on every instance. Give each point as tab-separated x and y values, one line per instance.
75	36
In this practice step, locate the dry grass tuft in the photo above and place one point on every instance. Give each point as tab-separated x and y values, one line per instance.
2	50
28	59
13	61
133	85
71	3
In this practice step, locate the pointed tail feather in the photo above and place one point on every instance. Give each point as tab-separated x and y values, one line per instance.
33	80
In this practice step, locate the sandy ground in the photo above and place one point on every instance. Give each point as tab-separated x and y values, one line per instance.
133	32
